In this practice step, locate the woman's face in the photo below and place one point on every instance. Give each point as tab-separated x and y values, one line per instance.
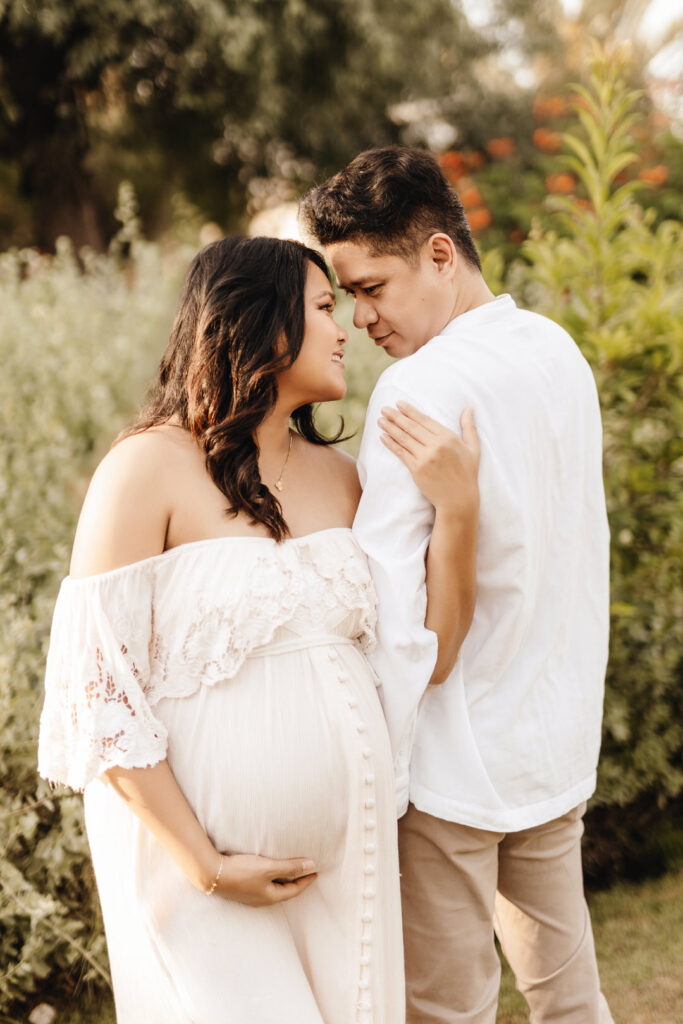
317	375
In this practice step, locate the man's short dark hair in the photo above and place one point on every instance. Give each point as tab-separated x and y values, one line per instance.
392	199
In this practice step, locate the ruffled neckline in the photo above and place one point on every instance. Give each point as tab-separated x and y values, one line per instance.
166	557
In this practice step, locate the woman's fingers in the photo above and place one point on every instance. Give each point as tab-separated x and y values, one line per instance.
443	465
469	431
399	436
289	878
290	870
403	454
423	428
260	881
421	418
281	891
408	423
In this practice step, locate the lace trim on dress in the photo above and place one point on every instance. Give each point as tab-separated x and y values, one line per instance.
95	719
123	641
352	586
296	585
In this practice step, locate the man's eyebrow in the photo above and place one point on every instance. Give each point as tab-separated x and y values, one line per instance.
360	282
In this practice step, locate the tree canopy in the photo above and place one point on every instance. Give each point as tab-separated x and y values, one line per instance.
232	102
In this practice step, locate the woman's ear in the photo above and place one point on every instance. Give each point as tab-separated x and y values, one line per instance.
281	345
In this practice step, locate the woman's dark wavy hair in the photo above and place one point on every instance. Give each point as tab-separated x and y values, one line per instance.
242	299
392	198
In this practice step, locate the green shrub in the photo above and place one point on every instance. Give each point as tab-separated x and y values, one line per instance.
78	340
614	280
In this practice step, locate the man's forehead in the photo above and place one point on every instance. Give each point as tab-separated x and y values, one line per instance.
355	265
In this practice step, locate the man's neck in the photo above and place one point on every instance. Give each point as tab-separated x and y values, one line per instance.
473	292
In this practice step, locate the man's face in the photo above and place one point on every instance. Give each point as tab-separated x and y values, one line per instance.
401	304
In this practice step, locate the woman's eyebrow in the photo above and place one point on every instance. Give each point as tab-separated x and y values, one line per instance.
324	295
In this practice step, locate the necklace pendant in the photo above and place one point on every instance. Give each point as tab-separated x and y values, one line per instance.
279	485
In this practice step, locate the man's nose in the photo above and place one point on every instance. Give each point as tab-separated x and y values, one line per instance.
363	314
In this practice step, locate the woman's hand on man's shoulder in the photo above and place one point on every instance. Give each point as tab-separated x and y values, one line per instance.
126	510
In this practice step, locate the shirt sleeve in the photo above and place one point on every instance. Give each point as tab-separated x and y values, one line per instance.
96	715
393	526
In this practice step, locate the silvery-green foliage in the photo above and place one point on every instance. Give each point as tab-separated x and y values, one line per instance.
79	338
615	281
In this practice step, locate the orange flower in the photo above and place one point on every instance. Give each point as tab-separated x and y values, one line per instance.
474	159
500	148
549	142
453	165
451	158
562	183
580	102
479	219
470	196
661	120
549	106
654	176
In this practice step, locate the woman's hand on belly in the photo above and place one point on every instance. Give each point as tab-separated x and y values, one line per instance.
153	794
262	881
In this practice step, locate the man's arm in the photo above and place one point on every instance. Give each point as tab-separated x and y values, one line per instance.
393	526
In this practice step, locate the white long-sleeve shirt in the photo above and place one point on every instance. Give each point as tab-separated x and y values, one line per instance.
511	738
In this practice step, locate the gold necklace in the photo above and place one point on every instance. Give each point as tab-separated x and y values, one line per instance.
278	483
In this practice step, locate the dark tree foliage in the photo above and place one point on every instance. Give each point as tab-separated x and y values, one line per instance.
203	97
232	102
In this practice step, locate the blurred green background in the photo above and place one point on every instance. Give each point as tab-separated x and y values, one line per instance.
132	132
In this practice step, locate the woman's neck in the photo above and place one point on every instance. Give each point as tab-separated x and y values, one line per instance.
274	440
272	435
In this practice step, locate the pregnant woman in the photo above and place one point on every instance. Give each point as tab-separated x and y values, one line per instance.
206	684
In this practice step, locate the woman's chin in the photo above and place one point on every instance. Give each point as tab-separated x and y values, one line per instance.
332	393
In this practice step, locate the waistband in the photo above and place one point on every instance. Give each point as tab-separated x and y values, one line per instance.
302	643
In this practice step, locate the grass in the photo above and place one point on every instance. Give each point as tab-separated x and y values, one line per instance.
639	939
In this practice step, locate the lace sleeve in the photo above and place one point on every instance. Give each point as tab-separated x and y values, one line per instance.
96	714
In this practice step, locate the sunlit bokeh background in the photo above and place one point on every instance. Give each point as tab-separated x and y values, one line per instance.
134	131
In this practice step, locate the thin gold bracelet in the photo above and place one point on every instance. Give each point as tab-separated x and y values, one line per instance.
212	888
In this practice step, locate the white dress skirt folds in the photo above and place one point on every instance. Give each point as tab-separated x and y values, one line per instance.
241	661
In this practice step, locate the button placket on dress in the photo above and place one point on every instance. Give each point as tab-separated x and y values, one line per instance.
368	802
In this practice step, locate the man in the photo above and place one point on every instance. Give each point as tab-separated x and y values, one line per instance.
493	766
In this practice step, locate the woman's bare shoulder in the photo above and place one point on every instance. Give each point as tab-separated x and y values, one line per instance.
344	463
339	468
127	507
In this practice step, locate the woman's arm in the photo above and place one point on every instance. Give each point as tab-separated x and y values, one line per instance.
154	795
156	798
445	468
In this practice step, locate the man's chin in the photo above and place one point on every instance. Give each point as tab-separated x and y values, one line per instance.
399	348
395	345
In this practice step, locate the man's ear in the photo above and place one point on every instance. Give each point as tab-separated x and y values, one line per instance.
441	250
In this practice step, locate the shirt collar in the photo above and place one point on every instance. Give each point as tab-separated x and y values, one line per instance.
500	306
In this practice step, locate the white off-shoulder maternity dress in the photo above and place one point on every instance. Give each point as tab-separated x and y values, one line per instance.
240	660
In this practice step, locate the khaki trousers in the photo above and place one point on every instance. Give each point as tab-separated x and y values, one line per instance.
459	883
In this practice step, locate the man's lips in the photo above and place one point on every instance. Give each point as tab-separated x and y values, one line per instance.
380	341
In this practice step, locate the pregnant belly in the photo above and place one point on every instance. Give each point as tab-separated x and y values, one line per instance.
268	759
